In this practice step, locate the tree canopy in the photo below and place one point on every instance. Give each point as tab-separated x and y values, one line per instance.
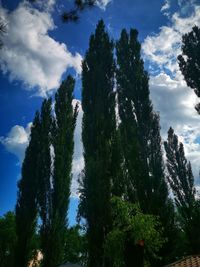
189	60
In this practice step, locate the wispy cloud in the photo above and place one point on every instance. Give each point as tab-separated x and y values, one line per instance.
165	8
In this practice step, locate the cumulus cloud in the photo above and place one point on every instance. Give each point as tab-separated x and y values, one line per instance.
170	94
29	54
17	140
175	103
163	48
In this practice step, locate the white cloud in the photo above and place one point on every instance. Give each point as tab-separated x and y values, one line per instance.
78	161
29	54
165	8
166	5
47	5
186	5
17	140
175	103
163	48
103	3
170	94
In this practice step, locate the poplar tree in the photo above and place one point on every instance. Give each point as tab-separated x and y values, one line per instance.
44	188
128	126
181	181
44	195
63	144
26	207
98	102
140	134
140	128
189	60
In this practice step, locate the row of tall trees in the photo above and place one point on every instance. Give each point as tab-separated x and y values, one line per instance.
44	188
128	214
123	153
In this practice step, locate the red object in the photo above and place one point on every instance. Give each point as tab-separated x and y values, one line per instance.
141	242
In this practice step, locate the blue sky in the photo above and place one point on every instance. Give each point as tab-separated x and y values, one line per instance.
39	51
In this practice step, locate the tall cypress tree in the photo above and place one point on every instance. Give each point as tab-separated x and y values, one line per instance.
181	181
189	60
98	102
63	143
128	125
180	176
139	126
44	173
26	207
140	132
46	179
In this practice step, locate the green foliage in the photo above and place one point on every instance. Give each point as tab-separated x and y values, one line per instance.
45	185
130	223
44	173
128	126
98	130
7	239
114	246
181	181
57	191
140	137
26	207
189	60
140	130
180	175
124	161
75	246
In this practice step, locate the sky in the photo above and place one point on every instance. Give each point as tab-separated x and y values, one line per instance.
40	50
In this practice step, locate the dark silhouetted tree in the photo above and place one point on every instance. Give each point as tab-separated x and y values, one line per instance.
46	178
63	144
26	207
44	173
75	245
98	129
189	60
140	130
181	181
7	239
140	133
